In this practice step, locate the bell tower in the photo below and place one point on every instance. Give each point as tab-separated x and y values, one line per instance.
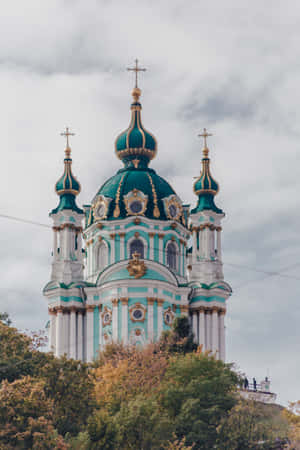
209	291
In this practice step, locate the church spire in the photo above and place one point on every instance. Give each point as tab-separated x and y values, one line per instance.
136	146
205	186
67	187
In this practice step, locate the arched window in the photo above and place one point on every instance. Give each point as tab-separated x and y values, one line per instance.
171	256
136	246
101	257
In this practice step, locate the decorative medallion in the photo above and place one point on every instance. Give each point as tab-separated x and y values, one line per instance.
135	203
173	208
136	267
100	207
169	316
106	316
137	312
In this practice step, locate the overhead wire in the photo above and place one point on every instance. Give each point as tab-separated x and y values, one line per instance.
278	273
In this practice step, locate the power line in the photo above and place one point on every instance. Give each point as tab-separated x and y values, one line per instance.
18	219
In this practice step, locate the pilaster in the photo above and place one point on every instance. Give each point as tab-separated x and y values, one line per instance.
89	332
115	302
160	303
124	301
150	302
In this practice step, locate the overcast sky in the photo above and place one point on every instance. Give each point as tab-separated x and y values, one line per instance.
232	67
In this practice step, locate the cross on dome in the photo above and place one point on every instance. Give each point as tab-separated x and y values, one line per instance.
66	134
205	135
136	69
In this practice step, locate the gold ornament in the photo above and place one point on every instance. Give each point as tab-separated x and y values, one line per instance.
136	267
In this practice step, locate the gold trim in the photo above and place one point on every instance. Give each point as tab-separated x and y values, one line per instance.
150	300
115	301
135	162
132	196
101	200
117	207
173	201
124	300
160	302
156	211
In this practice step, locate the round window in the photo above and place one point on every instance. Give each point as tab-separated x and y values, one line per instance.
137	314
173	210
136	207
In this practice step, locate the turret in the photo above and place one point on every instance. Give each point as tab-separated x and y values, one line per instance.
206	257
67	265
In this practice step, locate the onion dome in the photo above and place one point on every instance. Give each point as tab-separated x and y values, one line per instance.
136	142
67	187
206	187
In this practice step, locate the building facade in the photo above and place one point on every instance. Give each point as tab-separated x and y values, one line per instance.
145	257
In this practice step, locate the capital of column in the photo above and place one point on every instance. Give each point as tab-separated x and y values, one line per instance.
150	300
136	234
60	309
137	221
100	226
73	309
215	309
115	301
222	312
90	308
184	308
151	234
160	301
161	235
124	300
100	238
51	311
122	234
219	228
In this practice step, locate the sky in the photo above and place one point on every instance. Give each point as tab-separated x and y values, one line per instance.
232	67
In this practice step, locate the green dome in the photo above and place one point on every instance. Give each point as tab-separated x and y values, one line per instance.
205	187
143	181
135	141
67	187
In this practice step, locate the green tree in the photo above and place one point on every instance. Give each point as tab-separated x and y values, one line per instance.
179	339
249	423
70	386
197	393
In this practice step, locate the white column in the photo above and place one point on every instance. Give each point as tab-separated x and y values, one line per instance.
215	333
222	336
160	248
124	301
151	246
59	332
79	335
219	249
150	302
89	333
54	243
112	247
195	326
208	330
66	333
115	319
159	317
207	242
122	246
202	329
195	250
52	331
73	333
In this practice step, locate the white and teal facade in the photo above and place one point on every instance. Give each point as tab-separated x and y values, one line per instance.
126	265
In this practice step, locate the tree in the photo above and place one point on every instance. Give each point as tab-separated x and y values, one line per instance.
179	339
292	415
197	392
249	423
69	384
26	416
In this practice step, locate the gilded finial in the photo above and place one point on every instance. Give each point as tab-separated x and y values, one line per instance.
136	90
67	134
205	135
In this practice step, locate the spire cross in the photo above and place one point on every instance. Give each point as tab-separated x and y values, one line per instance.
205	134
136	69
67	134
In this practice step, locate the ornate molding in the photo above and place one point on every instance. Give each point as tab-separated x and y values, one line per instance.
115	301
150	300
160	302
137	312
124	300
136	267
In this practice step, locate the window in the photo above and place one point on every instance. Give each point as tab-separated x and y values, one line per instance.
101	257
137	246
171	256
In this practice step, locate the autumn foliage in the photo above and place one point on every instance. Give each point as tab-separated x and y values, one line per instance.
169	395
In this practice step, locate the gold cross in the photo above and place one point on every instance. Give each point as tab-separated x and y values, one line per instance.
205	134
67	134
136	69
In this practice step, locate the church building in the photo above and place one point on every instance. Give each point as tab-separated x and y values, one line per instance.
126	265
